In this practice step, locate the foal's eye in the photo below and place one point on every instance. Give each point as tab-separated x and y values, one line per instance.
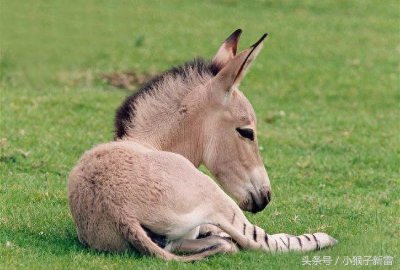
247	133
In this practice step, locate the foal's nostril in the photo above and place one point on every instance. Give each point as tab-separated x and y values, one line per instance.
268	196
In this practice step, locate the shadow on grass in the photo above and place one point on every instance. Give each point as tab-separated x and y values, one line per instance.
64	243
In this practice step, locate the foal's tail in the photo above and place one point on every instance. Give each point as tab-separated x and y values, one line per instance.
134	233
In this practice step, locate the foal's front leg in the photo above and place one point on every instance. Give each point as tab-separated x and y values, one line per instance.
250	236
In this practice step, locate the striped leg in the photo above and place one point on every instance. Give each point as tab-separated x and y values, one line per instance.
306	242
249	236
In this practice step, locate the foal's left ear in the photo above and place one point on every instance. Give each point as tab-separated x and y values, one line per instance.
234	71
227	51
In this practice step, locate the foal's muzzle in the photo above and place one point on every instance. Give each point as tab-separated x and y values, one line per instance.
258	202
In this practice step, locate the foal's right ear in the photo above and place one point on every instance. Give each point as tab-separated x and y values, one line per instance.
232	74
227	51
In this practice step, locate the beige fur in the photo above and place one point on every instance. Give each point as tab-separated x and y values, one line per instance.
119	188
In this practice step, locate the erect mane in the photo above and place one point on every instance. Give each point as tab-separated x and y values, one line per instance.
188	74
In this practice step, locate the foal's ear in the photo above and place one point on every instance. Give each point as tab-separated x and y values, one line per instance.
233	72
227	51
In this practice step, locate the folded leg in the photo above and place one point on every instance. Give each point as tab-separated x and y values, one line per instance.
225	245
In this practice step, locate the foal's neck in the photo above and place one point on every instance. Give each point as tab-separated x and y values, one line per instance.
168	113
177	128
182	137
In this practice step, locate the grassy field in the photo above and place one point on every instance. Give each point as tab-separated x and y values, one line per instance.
326	90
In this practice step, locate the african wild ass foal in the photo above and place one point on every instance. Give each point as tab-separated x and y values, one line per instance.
144	189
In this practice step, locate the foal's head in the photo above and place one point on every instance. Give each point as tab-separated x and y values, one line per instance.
231	148
197	110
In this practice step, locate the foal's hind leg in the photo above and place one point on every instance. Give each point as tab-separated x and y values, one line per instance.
208	229
212	242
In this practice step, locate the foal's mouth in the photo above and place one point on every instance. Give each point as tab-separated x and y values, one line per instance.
254	203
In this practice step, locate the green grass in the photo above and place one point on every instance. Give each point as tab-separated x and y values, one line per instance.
325	89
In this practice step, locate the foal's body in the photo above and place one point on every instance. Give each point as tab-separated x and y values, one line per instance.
176	196
132	187
133	192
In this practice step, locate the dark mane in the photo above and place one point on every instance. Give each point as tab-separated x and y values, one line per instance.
126	111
